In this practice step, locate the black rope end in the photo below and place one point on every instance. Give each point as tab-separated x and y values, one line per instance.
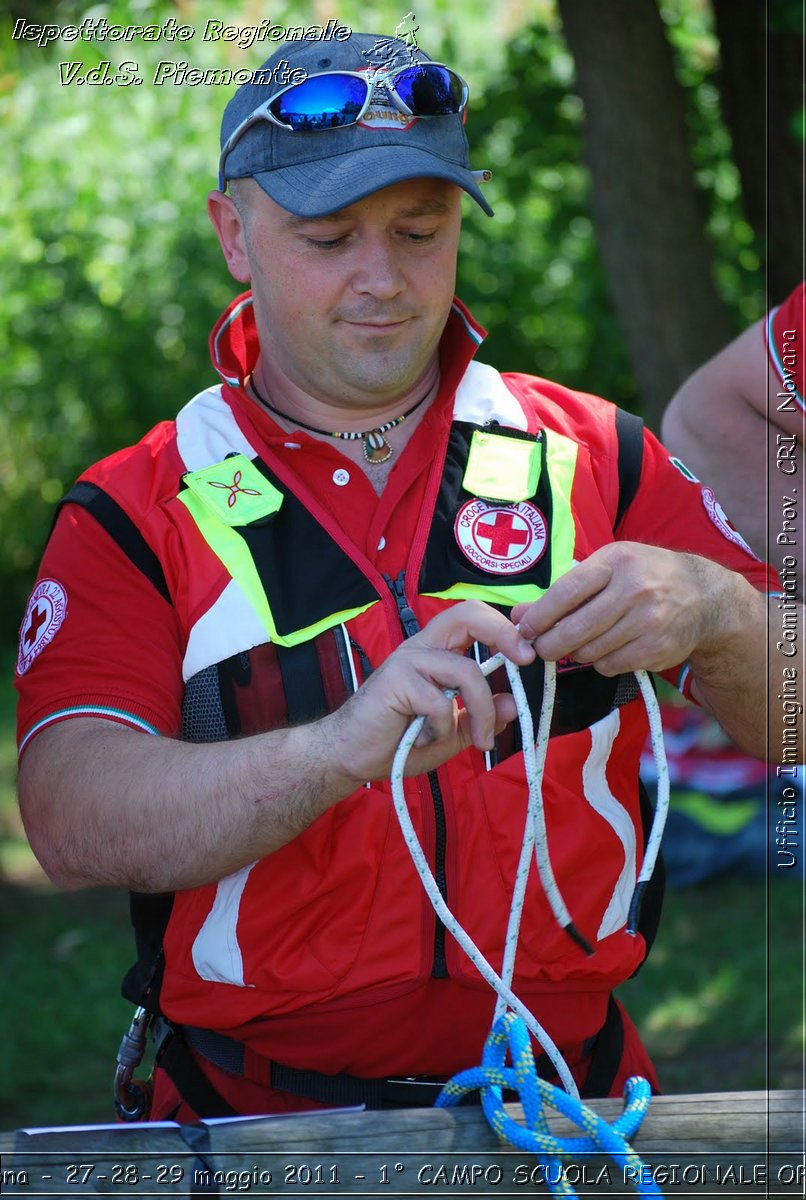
580	940
635	908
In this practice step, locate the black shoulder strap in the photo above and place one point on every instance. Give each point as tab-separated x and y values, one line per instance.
630	437
120	527
150	914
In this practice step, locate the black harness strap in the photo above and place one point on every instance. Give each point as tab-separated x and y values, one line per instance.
120	527
149	913
302	682
630	436
175	1058
607	1054
414	1092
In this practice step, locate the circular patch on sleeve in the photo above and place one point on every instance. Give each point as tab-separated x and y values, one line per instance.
503	539
717	514
44	615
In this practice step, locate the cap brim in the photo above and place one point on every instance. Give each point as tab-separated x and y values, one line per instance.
319	188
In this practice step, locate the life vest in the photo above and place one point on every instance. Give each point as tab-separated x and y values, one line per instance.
298	627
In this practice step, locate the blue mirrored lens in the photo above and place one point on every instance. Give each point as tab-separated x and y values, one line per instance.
323	102
429	91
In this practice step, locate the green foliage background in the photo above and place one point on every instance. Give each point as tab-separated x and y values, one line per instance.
112	277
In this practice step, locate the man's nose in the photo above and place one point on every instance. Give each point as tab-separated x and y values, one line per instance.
379	273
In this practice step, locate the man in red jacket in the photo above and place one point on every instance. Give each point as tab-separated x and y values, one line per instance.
236	620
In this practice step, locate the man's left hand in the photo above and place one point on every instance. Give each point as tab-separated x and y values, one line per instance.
628	607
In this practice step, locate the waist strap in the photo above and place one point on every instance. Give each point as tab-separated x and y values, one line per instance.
177	1048
342	1090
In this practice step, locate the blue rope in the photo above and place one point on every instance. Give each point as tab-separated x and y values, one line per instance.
510	1033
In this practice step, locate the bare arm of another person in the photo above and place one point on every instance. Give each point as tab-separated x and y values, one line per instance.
107	805
727	425
630	606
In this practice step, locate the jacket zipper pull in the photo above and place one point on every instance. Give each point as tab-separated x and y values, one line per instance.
407	618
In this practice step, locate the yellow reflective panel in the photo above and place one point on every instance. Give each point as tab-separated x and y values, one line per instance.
502	468
235	491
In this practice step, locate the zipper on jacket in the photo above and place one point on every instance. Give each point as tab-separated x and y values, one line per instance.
407	618
410	625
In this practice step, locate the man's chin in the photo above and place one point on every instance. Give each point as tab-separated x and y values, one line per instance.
378	374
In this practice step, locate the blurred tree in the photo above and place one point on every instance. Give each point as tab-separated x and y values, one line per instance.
761	83
533	274
650	220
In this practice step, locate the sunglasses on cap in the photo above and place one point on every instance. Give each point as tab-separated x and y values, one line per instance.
336	99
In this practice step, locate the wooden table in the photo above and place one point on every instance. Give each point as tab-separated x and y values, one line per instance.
719	1144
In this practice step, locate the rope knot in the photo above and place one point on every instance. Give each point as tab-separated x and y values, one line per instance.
509	1033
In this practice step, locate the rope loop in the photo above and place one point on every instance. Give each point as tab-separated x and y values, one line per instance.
512	1020
509	1033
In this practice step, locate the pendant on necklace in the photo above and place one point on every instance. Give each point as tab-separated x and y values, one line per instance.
376	447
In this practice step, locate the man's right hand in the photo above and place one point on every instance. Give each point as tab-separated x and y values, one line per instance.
364	733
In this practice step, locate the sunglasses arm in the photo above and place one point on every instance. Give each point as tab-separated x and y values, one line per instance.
260	114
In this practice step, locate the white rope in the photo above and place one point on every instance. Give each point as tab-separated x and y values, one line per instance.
535	839
661	796
534	757
497	982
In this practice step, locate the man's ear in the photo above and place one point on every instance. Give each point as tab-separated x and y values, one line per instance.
228	224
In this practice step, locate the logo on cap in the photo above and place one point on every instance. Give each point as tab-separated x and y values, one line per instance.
504	539
44	615
385	116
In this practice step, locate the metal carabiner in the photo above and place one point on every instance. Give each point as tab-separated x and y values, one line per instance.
132	1099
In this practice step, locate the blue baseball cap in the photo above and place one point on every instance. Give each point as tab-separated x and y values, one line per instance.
314	173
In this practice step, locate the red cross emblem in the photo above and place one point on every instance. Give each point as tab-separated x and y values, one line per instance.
501	539
38	617
234	489
502	533
43	618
